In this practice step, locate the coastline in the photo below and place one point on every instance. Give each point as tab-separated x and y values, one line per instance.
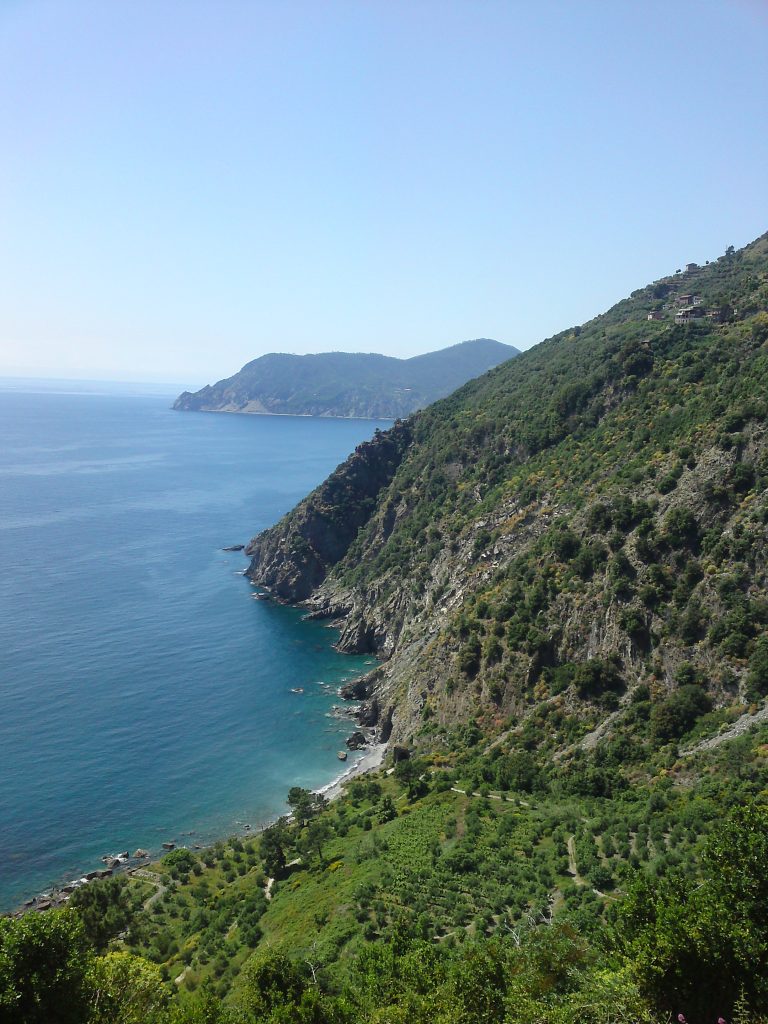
58	895
294	415
372	759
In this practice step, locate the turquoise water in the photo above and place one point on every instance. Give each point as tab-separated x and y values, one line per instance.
144	695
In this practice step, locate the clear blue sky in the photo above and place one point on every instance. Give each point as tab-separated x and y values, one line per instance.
187	185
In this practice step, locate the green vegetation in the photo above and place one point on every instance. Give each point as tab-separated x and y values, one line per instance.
456	899
348	384
565	563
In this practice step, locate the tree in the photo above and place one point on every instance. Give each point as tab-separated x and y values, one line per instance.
596	676
275	842
757	678
179	862
272	981
125	989
518	770
386	810
408	773
103	908
205	1008
681	528
469	656
319	831
44	960
678	713
304	803
697	944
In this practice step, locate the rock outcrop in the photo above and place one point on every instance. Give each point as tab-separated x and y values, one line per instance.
570	528
292	559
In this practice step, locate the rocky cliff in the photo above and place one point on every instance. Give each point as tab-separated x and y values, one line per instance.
577	532
292	559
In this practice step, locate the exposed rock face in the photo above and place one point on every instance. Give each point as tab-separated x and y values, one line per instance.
358	688
368	714
478	521
293	558
356	741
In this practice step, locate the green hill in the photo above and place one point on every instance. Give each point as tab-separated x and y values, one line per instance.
599	500
562	568
347	384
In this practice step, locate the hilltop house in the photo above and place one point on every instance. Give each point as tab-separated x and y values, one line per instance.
655	314
688	313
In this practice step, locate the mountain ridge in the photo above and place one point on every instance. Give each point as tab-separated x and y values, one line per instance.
346	384
494	473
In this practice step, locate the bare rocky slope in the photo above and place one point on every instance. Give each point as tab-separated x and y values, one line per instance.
581	529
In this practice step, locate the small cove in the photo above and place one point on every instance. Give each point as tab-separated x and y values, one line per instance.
144	695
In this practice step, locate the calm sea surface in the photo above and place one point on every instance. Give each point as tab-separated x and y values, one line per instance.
144	695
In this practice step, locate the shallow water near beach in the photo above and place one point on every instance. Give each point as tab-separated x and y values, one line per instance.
145	696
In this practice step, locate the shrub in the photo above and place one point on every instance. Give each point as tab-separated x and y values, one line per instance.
469	656
678	713
596	677
757	678
681	528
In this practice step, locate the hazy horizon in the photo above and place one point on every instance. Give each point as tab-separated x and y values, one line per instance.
188	187
177	383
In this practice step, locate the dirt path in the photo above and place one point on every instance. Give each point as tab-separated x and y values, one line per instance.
156	880
271	881
573	868
491	796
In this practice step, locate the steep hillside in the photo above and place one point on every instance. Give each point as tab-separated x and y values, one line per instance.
347	384
563	570
580	529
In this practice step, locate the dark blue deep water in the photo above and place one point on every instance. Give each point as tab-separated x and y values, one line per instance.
144	695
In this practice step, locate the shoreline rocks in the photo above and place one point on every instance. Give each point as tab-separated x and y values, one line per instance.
357	741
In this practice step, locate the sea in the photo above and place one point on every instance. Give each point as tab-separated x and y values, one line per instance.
145	695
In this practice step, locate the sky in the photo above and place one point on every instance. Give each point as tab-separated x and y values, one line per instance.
188	184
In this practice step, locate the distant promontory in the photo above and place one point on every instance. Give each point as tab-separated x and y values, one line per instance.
347	384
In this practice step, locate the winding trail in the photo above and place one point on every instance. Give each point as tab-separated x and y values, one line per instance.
491	796
156	880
